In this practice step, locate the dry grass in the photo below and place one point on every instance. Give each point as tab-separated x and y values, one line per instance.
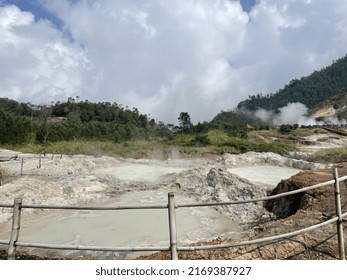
331	155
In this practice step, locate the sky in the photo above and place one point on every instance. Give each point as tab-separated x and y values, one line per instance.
164	57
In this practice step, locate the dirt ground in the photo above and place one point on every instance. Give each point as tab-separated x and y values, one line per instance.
320	244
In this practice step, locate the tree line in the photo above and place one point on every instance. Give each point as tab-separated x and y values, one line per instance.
83	120
70	120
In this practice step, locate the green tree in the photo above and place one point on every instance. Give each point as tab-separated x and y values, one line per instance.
185	122
14	129
285	128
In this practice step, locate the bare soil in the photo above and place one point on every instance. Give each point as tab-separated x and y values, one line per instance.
320	244
80	180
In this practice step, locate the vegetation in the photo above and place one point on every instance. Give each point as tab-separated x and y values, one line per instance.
82	127
327	86
311	90
135	149
287	128
14	129
65	121
220	141
237	115
331	155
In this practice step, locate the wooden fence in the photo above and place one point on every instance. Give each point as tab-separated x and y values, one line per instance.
171	206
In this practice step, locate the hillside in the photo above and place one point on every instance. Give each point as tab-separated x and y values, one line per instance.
75	120
324	88
335	106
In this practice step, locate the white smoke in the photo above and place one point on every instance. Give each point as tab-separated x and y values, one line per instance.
294	113
335	120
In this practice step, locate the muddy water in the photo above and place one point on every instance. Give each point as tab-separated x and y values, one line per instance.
142	172
127	227
270	175
139	227
150	171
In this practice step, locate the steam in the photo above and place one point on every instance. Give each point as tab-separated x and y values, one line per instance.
294	113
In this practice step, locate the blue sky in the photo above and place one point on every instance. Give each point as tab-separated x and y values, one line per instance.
247	5
37	9
164	57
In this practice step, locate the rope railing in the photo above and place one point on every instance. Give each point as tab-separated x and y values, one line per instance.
260	199
171	206
92	248
179	248
6	205
260	240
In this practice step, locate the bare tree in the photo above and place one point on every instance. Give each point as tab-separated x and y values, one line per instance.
45	112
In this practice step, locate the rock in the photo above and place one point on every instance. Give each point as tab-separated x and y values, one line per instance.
224	186
321	199
285	206
68	190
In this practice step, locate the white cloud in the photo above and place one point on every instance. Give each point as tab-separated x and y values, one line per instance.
40	64
165	57
12	16
141	18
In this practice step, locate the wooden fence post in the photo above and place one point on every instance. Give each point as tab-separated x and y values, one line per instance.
172	226
40	161
11	253
21	167
339	215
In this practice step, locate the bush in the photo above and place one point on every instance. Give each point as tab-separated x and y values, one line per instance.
201	140
332	155
285	128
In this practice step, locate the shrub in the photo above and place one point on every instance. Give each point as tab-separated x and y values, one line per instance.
331	155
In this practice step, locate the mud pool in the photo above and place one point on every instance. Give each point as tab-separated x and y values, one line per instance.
142	227
145	171
269	175
127	227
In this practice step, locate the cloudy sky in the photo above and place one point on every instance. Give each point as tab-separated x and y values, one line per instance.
164	57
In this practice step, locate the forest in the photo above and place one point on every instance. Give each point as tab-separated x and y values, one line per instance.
83	120
71	120
310	91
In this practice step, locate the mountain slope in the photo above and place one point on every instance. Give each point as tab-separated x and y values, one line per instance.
335	106
325	88
310	90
